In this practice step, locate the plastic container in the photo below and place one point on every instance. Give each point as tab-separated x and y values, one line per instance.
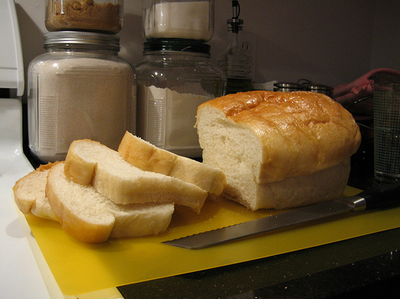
173	80
88	15
79	89
184	19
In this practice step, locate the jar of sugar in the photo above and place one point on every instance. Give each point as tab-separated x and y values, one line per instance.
184	19
88	15
79	89
173	80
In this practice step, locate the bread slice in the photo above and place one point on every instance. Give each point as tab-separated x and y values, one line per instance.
278	150
146	156
29	193
90	217
89	161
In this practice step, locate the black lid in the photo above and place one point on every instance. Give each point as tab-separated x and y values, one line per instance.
235	24
181	45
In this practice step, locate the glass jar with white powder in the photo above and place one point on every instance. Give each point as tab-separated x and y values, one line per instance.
183	19
172	81
79	89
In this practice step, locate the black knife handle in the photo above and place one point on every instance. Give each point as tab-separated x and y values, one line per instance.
382	196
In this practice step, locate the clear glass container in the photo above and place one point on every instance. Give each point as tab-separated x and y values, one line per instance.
183	19
234	60
79	89
88	15
173	80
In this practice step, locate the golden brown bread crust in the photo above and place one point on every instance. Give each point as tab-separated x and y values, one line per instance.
300	132
145	156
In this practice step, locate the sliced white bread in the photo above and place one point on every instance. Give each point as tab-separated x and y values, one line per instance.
278	150
146	156
90	217
89	162
29	193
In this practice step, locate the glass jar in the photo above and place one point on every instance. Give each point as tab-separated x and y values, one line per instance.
79	89
88	15
173	80
184	19
234	60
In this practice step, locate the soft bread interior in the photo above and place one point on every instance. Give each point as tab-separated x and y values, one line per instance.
123	183
227	145
79	208
91	217
29	193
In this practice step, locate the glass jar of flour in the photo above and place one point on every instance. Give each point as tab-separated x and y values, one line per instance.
183	19
172	81
79	89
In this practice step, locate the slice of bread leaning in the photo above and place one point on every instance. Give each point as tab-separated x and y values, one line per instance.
146	156
90	217
90	162
29	193
278	149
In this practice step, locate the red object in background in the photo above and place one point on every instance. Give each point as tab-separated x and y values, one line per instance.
357	95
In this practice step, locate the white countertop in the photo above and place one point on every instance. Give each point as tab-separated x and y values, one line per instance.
20	276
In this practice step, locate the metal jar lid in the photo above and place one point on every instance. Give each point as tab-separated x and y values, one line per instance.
287	86
84	38
325	89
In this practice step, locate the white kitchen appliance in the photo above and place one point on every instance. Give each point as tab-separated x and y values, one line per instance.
20	276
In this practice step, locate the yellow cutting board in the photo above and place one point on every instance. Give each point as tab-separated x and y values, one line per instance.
82	268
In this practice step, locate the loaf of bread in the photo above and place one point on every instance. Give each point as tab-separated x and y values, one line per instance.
90	217
278	150
89	162
146	156
29	193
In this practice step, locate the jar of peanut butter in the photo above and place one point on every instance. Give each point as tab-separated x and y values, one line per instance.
88	15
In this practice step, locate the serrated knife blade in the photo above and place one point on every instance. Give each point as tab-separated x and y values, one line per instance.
377	197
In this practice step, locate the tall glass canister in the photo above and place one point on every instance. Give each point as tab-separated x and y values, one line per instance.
173	80
79	89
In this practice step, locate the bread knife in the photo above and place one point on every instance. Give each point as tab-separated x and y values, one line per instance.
380	196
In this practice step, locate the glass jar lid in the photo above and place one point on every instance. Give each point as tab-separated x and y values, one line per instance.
74	38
